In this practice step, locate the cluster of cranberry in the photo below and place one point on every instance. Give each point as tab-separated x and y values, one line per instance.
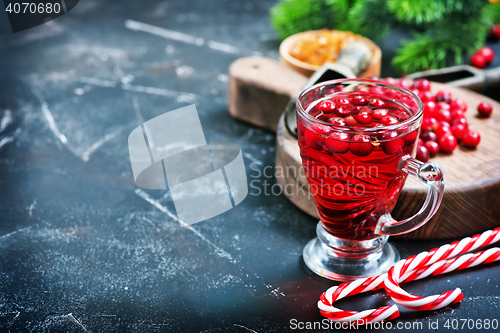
494	33
485	55
482	57
363	111
444	123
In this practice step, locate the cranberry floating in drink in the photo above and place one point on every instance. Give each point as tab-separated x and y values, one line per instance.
356	159
376	178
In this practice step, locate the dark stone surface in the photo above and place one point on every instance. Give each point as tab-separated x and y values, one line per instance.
82	250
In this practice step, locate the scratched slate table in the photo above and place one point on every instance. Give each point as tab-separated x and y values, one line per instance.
82	249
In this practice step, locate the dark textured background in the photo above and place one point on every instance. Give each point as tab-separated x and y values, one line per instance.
83	250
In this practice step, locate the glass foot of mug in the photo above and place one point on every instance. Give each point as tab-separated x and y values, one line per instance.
330	257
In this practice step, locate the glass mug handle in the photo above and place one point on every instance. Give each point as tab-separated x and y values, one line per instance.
431	175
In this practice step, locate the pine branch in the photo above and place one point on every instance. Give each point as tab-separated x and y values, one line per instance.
341	9
420	53
371	18
448	30
444	43
467	6
342	6
494	10
293	16
467	29
418	11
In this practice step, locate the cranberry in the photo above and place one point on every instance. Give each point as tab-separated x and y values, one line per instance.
313	140
442	130
422	85
420	142
410	137
444	115
471	139
337	121
494	33
393	144
376	103
429	124
477	60
405	83
427	96
430	109
359	100
457	114
447	143
422	154
361	145
432	147
458	104
343	111
321	130
458	130
338	88
326	106
460	121
401	115
338	142
485	109
444	123
388	120
487	53
342	102
377	90
443	106
350	121
391	81
358	108
415	91
429	136
443	96
379	113
363	118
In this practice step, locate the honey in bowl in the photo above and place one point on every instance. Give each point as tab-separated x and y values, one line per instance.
320	47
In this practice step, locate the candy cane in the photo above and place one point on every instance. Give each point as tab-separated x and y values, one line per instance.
401	272
353	288
416	267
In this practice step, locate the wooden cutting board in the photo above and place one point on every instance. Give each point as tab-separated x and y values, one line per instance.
471	202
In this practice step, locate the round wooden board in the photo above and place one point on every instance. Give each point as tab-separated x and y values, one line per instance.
471	202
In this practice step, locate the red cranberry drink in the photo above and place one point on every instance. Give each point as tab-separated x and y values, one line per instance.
358	140
354	177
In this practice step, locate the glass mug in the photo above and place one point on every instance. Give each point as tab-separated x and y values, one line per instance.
358	139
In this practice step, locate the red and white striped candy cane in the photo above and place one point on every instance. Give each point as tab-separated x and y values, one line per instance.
352	288
401	272
454	249
415	267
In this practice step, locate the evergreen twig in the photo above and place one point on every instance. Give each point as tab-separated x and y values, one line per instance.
446	42
418	11
445	31
293	16
371	18
494	10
